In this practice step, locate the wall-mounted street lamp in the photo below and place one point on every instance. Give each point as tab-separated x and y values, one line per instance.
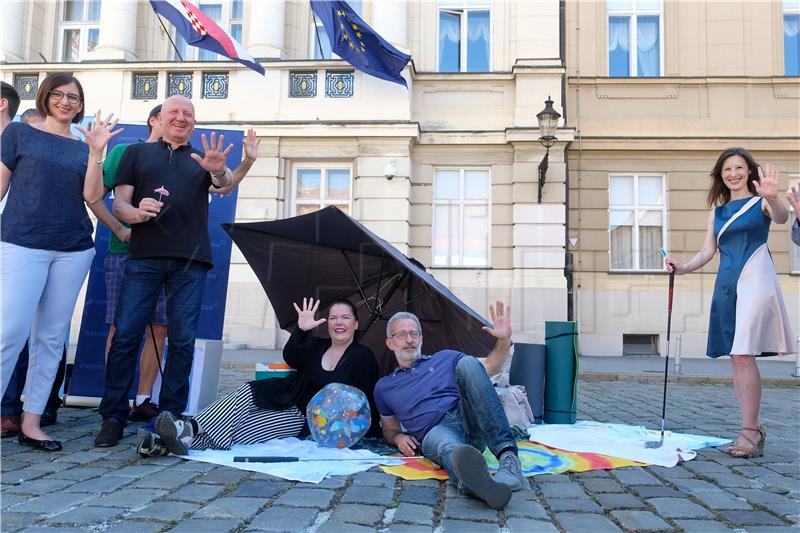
548	123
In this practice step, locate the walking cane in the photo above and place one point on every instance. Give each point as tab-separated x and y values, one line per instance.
666	364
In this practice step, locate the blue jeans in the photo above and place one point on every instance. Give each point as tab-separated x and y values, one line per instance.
478	420
183	282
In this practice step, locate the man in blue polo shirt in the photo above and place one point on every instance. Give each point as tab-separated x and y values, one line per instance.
444	405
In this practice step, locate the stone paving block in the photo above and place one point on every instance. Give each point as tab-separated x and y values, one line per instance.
164	511
206	526
52	503
223	476
732	480
421	495
761	497
790	511
319	498
375	479
136	471
470	508
584	505
583	522
127	498
16	521
40	486
432	483
83	457
85	515
259	489
562	490
694	485
678	508
462	526
706	467
366	515
333	482
370	495
166	479
751	518
23	474
640	520
521	525
132	526
703	526
593	474
620	501
600	485
196	493
99	485
80	473
553	478
231	507
283	519
413	513
195	466
792	469
719	499
408	528
9	464
675	472
771	529
634	475
9	500
334	526
46	529
520	508
650	491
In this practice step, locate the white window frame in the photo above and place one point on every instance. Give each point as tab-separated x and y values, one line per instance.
83	25
313	47
191	53
462	9
635	207
633	15
461	203
323	201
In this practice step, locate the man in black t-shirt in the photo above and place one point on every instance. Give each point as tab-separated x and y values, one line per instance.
162	192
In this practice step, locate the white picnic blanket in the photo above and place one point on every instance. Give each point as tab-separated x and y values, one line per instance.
620	440
316	462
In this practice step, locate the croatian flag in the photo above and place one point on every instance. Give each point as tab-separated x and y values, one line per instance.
198	29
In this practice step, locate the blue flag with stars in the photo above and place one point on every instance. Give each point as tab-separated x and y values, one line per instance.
358	44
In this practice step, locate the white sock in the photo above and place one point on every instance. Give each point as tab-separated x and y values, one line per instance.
140	398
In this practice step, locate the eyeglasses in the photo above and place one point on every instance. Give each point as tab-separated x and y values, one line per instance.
72	98
404	334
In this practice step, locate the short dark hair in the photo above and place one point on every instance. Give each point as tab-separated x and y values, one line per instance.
348	303
153	113
27	114
718	193
9	93
51	82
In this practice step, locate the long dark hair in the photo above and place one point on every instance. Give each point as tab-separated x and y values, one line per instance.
718	193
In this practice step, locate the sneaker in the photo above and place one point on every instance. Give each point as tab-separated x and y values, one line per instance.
144	412
473	475
509	472
49	417
110	434
151	445
172	432
10	425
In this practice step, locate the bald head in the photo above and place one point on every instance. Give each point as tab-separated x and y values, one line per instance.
177	120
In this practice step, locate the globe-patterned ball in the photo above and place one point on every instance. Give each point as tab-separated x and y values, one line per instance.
338	415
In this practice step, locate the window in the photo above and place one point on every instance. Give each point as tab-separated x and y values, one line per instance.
319	186
228	14
79	29
794	249
461	201
635	47
791	38
320	44
636	217
464	37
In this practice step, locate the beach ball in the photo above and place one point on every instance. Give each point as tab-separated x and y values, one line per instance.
338	415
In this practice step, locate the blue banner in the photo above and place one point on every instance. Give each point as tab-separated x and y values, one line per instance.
88	372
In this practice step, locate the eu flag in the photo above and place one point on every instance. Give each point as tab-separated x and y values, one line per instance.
358	44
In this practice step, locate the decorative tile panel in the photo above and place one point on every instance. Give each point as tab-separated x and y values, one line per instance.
302	84
339	84
215	85
179	83
26	85
145	86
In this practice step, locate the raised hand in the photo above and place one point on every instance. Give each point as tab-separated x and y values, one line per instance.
214	156
251	144
501	321
98	133
767	183
794	199
305	316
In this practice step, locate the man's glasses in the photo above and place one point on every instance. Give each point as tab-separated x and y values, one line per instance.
72	98
404	334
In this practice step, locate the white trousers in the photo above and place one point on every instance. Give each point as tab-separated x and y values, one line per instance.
38	290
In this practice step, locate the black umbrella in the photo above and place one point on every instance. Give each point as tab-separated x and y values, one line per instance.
328	255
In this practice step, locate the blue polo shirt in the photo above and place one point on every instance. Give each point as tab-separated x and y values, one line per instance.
420	396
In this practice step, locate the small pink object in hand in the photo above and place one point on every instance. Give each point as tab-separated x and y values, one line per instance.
162	191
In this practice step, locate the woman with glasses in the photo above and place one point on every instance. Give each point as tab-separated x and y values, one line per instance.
276	408
46	236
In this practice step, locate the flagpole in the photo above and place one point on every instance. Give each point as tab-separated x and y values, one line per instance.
169	37
316	33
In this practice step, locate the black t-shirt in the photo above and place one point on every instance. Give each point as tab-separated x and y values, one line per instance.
181	228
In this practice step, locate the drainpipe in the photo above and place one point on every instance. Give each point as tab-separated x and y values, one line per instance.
568	260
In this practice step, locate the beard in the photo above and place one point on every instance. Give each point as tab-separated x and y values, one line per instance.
409	355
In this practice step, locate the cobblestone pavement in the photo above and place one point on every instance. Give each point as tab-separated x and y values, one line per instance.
112	489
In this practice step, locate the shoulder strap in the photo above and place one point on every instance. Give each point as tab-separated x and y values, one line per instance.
742	210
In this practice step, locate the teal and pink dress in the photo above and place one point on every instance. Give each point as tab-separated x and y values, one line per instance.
748	316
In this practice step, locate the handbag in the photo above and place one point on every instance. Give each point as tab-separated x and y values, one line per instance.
516	406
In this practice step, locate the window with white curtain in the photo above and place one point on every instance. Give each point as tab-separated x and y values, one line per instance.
320	44
461	221
79	29
636	221
319	185
635	46
228	14
791	37
464	43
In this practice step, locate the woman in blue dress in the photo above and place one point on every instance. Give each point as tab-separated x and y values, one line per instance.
748	318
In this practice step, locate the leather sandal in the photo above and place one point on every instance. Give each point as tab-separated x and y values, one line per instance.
756	449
